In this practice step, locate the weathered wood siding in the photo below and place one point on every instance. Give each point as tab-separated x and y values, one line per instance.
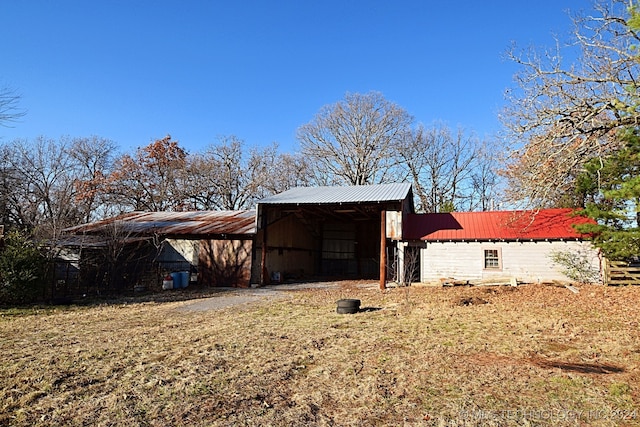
225	263
292	250
528	262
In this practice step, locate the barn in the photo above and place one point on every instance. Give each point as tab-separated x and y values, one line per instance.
303	233
308	233
496	246
332	232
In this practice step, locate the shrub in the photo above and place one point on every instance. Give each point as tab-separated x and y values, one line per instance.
576	265
21	270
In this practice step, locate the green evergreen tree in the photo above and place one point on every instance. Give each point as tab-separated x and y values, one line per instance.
21	270
610	185
612	189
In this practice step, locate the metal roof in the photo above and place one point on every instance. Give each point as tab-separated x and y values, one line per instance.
192	223
89	241
332	195
551	224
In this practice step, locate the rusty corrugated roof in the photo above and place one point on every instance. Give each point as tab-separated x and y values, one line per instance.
194	223
89	241
552	224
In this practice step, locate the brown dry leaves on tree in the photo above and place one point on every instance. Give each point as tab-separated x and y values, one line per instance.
153	179
564	112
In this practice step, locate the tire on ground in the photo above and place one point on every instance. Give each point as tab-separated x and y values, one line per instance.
348	306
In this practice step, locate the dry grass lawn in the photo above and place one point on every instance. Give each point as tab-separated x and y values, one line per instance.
490	356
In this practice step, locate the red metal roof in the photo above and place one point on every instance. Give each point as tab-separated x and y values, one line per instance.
551	224
195	223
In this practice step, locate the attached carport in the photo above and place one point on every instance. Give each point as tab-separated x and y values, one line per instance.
338	232
214	246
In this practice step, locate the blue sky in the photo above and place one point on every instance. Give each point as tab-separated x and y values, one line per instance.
134	71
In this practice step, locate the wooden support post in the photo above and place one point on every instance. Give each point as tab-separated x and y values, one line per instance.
383	249
264	273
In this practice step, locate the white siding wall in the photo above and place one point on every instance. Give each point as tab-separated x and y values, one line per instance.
526	261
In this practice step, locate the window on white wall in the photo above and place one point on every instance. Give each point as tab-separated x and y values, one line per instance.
492	259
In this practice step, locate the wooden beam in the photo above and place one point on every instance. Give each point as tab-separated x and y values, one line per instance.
383	249
264	274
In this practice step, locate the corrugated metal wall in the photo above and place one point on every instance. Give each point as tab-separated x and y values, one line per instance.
339	249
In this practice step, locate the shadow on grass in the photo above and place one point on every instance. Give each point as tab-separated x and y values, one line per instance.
160	296
368	309
581	368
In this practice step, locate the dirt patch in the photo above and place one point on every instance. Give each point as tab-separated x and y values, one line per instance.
471	301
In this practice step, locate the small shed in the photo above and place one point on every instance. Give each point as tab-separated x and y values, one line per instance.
496	245
213	248
337	232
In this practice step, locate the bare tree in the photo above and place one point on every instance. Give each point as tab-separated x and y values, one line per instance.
230	176
486	182
7	179
237	177
288	171
353	141
39	192
9	106
233	180
561	114
93	157
200	189
440	165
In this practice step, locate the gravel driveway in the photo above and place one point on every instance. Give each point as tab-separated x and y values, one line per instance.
232	298
237	296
